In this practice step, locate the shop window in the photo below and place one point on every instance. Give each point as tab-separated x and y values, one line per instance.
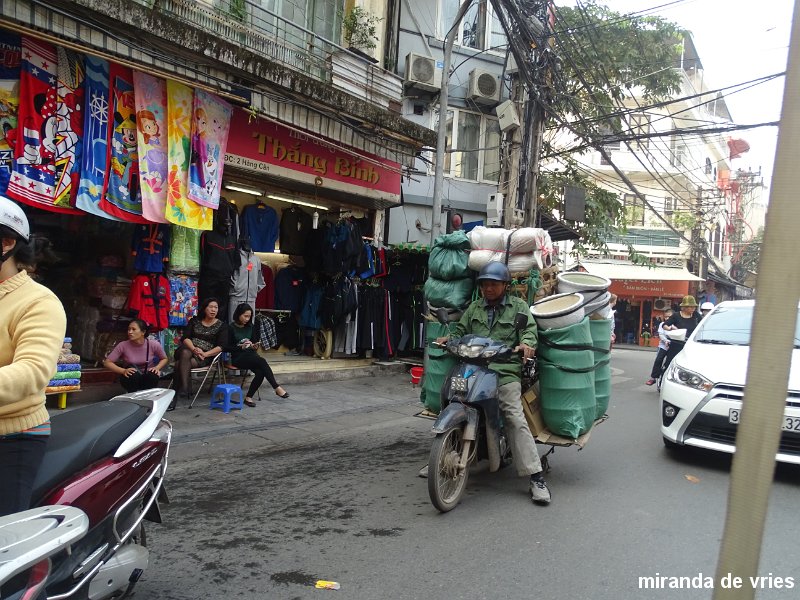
479	29
677	156
634	210
472	149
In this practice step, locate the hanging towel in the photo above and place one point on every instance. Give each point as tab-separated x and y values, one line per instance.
184	254
121	195
180	209
211	120
94	159
9	101
151	125
33	178
69	128
183	293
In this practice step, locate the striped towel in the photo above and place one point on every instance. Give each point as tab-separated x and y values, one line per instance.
62	382
67	375
68	367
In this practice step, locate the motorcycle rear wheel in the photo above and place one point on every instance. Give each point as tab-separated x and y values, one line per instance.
445	484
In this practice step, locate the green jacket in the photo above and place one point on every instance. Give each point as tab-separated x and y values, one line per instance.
475	320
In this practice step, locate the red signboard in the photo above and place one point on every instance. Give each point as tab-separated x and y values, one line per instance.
625	288
263	146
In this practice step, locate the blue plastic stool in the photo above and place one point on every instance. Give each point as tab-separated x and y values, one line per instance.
224	396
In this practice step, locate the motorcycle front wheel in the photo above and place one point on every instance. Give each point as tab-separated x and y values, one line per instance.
446	484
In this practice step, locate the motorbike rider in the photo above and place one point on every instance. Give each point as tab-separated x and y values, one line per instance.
493	316
32	327
705	308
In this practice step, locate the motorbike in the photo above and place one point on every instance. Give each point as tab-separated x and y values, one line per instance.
109	460
677	340
27	541
469	426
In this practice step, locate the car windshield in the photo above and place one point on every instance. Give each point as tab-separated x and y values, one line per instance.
731	325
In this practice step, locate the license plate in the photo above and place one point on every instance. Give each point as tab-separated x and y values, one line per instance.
789	423
458	384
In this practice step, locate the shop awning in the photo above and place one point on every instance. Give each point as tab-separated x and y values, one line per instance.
621	271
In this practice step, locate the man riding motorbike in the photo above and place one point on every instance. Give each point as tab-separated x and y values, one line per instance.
493	316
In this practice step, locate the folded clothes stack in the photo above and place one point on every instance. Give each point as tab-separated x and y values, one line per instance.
67	377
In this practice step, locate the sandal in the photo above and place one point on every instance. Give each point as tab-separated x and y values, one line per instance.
249	402
285	394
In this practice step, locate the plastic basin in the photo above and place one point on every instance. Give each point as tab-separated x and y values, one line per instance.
560	310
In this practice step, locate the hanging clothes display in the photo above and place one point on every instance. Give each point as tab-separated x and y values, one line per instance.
94	159
295	227
180	209
150	300
219	258
260	224
121	193
69	138
310	312
211	121
246	282
150	247
290	288
33	177
267	332
184	253
183	294
151	138
266	297
9	101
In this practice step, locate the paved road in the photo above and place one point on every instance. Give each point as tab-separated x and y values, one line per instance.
265	513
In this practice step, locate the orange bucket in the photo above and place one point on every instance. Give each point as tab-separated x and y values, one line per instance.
416	374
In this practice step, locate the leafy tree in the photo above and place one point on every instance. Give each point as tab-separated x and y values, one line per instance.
750	254
603	58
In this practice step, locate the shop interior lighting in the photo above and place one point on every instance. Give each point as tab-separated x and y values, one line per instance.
291	201
244	190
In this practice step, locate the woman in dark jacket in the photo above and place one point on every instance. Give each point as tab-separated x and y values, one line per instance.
243	345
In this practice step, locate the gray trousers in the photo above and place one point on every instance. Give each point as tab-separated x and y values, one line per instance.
526	457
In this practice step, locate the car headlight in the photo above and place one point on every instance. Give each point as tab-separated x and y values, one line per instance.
688	378
469	351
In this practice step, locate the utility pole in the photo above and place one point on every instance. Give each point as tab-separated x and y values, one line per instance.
441	134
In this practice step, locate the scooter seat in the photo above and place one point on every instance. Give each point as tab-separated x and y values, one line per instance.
82	436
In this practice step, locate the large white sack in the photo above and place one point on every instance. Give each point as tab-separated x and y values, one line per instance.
517	263
523	240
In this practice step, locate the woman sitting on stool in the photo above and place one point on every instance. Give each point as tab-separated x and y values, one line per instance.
243	346
143	359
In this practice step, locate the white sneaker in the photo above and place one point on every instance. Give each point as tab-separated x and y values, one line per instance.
423	472
540	493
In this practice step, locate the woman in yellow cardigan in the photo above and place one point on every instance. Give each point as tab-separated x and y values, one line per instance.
32	327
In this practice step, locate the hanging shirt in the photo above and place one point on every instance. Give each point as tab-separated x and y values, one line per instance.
295	227
290	289
266	297
219	256
261	225
149	298
150	247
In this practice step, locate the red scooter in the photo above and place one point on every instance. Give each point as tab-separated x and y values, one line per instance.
109	460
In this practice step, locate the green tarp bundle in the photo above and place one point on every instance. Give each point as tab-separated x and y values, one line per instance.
566	379
437	365
448	294
601	340
449	256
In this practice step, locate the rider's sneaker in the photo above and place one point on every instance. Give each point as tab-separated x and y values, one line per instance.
650	381
540	493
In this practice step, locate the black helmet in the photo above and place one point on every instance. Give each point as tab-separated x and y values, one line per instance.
494	271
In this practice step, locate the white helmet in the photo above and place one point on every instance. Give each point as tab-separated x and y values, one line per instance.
706	306
11	216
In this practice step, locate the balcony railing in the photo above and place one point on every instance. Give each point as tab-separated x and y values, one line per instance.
273	37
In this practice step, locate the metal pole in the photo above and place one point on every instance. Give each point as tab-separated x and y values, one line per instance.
441	134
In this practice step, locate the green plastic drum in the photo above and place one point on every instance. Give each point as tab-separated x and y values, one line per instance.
601	338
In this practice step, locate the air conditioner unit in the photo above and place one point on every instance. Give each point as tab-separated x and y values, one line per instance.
484	87
423	73
507	116
661	304
494	205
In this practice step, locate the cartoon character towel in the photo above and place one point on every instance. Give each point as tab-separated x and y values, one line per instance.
69	127
180	209
94	159
151	125
121	195
211	119
9	101
183	292
33	177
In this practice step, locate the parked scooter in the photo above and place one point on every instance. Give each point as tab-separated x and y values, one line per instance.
469	426
27	541
109	460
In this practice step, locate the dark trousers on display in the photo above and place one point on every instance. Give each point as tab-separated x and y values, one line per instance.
260	368
20	459
139	381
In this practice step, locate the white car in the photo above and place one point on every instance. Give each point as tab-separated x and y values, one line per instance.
702	390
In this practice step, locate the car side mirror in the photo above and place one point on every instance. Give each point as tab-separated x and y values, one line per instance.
441	315
520	321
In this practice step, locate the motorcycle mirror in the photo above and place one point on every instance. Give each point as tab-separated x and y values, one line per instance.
441	315
520	321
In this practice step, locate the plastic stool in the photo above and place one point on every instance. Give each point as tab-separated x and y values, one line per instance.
224	396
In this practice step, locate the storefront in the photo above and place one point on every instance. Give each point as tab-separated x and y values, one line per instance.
643	295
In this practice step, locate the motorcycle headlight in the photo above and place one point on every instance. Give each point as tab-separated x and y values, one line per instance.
489	353
688	378
469	351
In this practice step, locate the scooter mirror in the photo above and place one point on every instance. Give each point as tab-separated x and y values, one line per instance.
441	315
520	321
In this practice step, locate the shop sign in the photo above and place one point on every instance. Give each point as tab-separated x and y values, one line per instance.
649	288
272	149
